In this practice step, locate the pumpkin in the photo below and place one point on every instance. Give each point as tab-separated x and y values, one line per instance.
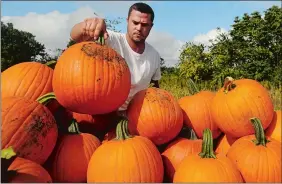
177	150
26	79
197	112
257	157
237	102
72	155
224	144
274	129
207	166
20	170
90	78
127	158
29	127
154	113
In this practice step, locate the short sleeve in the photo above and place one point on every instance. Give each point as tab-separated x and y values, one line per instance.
157	74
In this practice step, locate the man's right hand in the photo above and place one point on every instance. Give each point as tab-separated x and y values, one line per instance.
89	29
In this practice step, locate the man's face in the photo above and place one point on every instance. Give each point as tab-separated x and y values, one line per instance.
139	26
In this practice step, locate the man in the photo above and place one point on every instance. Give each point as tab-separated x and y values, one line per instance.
143	60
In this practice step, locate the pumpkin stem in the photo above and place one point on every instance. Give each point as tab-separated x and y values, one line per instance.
259	132
122	132
207	145
228	84
7	158
45	99
192	87
73	128
101	40
193	135
51	64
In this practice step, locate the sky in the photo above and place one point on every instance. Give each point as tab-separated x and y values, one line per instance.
176	22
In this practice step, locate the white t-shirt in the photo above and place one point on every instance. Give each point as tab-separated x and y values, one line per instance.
143	67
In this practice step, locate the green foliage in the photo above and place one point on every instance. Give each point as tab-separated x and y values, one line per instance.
252	49
19	46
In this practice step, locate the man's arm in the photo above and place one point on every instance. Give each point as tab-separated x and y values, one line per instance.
90	28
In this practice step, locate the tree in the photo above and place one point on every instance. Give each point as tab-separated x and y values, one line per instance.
251	49
19	46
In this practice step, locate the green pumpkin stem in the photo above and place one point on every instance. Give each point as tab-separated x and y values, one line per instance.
7	158
51	64
192	87
101	40
259	132
45	99
207	145
73	128
122	132
228	84
193	135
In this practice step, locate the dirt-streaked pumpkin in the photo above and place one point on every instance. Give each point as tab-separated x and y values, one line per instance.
126	158
29	127
90	78
154	113
257	157
238	101
274	129
207	166
26	79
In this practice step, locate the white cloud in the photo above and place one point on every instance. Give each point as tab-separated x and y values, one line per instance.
53	30
206	37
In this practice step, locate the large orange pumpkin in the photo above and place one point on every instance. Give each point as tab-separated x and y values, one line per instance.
20	170
72	155
29	127
177	150
126	158
274	130
154	113
197	113
257	157
207	166
237	102
27	79
90	78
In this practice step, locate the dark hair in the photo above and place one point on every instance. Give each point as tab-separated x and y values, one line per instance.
143	8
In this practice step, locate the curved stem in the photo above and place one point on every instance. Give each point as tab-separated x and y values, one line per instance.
207	145
122	132
193	135
259	132
101	40
73	128
7	158
51	64
228	84
45	99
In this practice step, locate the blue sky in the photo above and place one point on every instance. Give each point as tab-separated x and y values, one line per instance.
178	21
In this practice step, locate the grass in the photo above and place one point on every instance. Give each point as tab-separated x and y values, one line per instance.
180	88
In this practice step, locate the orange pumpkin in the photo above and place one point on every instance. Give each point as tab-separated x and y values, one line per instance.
177	150
207	166
67	167
274	129
27	79
237	102
197	113
224	144
257	157
154	113
29	127
20	170
126	158
90	78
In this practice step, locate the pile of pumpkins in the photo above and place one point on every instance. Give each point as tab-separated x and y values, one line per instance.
61	124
